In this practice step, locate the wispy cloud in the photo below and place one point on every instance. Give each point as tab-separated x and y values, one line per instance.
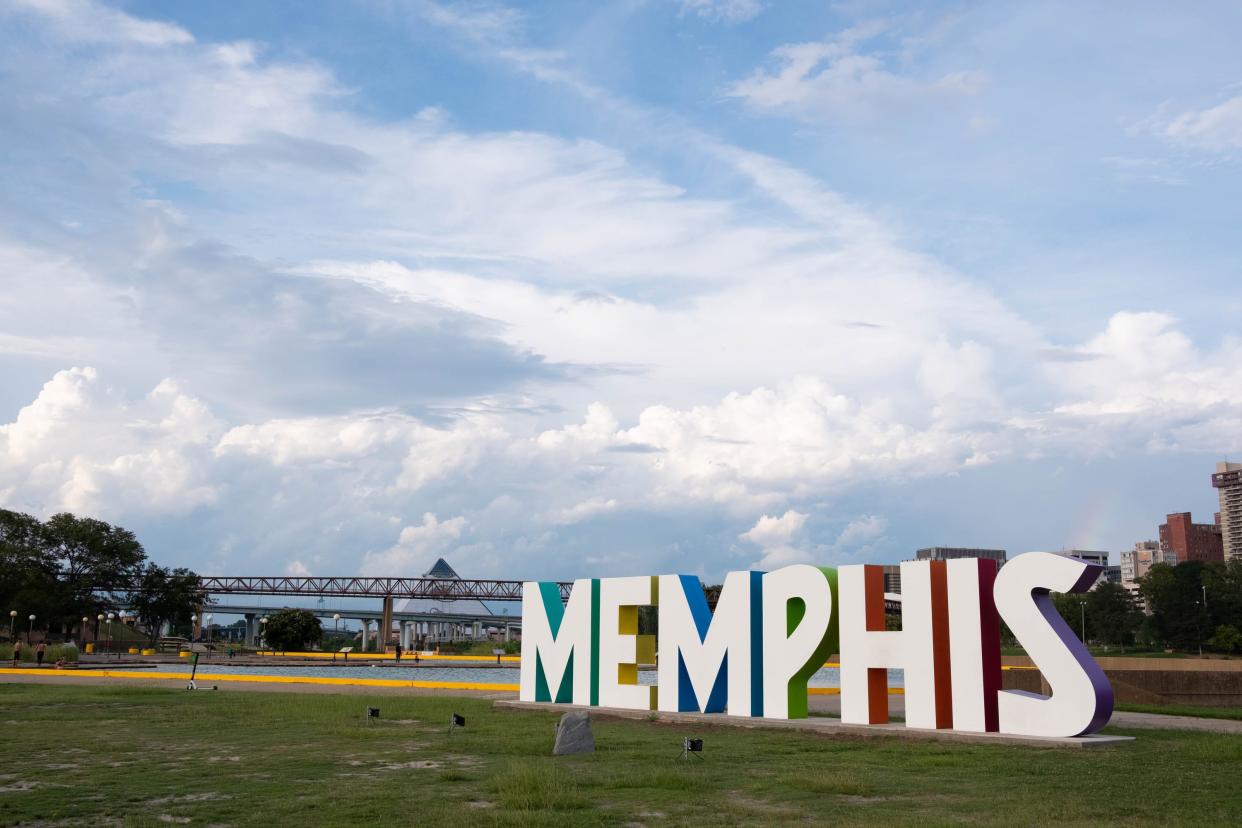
837	80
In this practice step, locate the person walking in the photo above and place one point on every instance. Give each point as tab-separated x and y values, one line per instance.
17	652
398	653
39	652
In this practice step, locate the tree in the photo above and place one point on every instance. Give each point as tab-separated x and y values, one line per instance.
292	629
93	560
1227	639
1112	616
1174	595
165	596
27	569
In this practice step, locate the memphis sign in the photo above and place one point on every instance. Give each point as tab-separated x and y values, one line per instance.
772	630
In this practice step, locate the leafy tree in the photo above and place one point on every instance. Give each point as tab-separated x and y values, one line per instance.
27	570
94	559
1174	595
1112	616
165	595
1227	639
292	629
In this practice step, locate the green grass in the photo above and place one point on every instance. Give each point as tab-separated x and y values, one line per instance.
135	756
1234	713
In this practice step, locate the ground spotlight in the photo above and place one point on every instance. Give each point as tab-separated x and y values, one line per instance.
458	721
691	747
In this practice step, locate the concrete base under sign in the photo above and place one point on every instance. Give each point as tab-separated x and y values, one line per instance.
826	726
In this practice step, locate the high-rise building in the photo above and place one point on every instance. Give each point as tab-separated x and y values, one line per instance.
1191	541
945	553
1228	481
1135	562
892	578
1088	555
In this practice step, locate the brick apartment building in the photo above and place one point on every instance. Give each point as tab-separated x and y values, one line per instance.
1191	541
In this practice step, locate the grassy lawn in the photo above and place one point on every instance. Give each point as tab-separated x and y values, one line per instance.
155	756
1185	710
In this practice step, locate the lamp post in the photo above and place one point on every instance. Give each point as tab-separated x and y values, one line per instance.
1082	606
99	619
12	619
207	625
85	621
30	629
263	630
111	616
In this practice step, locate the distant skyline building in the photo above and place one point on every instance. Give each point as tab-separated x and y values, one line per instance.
892	578
1228	482
946	553
1137	561
1190	541
1094	556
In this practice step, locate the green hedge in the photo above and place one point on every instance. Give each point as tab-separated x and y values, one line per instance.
54	652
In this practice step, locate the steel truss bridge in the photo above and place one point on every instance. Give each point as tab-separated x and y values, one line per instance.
434	588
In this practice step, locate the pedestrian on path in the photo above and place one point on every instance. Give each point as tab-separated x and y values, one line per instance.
398	653
17	652
39	651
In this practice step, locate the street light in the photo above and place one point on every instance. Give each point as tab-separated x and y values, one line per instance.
207	621
1082	605
85	621
30	629
98	623
263	630
12	618
111	616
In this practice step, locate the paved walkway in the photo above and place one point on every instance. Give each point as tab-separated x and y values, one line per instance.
1156	721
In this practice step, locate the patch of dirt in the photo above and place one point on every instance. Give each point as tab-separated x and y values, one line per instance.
176	820
479	804
854	799
210	796
464	761
19	786
421	764
224	759
760	806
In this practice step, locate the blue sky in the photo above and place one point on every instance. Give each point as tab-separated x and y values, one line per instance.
613	288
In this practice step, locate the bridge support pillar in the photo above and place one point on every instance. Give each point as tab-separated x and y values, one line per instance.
385	630
405	635
197	631
477	632
366	629
508	633
251	623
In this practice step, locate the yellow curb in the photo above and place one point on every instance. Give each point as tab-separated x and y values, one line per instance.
836	691
409	656
202	677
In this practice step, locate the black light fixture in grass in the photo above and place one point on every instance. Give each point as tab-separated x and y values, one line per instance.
372	713
458	721
691	747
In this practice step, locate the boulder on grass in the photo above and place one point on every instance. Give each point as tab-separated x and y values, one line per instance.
573	734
